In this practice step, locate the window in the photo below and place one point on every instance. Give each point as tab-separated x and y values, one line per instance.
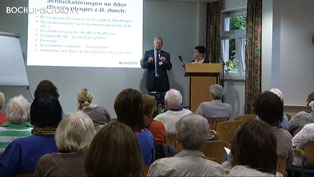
233	35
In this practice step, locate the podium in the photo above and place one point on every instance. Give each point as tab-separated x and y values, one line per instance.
202	76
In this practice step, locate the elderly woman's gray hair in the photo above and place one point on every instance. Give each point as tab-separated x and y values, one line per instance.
277	92
193	131
17	111
2	99
173	98
75	133
216	91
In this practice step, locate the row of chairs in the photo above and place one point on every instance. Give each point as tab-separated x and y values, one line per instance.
224	130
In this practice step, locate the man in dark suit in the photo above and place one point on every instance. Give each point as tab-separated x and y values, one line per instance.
157	62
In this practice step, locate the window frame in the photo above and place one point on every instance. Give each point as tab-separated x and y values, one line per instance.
233	34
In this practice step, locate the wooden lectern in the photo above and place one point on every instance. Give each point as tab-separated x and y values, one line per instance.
202	76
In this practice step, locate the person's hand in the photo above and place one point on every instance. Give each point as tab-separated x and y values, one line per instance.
183	64
163	60
150	60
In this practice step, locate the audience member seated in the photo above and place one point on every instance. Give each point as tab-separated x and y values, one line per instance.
114	152
18	126
303	117
269	108
157	128
285	123
253	150
73	137
98	114
2	114
174	111
129	108
22	155
47	87
305	135
192	132
215	108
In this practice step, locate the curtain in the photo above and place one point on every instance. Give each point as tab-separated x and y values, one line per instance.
253	53
213	40
240	42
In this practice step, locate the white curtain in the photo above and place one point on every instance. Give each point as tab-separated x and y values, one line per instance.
240	48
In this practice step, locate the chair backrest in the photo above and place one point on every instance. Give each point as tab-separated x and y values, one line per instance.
245	117
172	140
213	121
309	153
215	150
282	165
226	130
145	171
288	116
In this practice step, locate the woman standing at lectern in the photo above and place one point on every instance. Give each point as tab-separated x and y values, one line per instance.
199	55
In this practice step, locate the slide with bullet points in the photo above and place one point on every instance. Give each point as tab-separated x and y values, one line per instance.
77	33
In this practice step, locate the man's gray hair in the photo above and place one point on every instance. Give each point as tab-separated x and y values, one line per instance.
193	131
216	91
173	98
17	111
75	133
158	38
2	99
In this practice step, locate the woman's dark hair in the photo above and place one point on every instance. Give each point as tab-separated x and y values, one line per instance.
114	151
46	87
129	108
45	111
201	49
269	107
255	146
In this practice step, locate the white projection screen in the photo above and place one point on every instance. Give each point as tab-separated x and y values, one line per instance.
90	33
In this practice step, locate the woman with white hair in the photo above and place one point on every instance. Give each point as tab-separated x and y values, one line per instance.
17	114
73	137
98	114
2	114
192	133
215	108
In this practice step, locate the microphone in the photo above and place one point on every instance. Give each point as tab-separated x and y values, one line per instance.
222	61
180	58
182	62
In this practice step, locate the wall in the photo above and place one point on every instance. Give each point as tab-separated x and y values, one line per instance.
287	50
181	24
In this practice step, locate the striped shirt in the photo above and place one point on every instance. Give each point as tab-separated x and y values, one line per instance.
10	132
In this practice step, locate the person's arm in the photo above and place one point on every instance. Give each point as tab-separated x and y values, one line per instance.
147	61
10	160
200	110
166	61
302	137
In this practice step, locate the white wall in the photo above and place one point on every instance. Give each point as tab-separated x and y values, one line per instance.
181	24
288	55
